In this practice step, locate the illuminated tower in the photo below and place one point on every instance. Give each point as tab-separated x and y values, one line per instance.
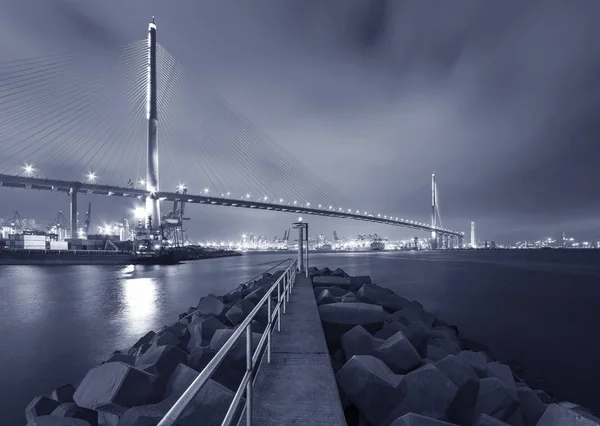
433	215
473	244
152	203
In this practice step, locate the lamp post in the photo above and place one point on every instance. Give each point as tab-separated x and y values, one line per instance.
302	232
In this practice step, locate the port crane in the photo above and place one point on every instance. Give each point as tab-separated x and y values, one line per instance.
173	221
88	218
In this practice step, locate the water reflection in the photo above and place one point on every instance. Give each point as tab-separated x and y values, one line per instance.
139	299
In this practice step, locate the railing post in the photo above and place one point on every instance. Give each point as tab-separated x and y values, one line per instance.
279	305
283	282
269	330
249	369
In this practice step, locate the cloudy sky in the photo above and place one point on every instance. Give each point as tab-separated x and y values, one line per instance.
501	100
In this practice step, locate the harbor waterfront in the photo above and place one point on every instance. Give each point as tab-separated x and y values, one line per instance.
504	299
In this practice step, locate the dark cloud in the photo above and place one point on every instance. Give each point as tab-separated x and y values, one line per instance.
499	99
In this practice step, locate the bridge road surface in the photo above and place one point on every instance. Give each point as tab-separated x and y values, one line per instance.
298	387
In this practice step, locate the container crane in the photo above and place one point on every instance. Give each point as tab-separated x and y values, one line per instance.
88	218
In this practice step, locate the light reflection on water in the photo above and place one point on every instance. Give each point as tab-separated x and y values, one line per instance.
139	295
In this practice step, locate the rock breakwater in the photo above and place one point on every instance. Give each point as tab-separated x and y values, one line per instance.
138	386
397	364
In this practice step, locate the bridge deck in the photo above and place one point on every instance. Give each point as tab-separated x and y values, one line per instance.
298	386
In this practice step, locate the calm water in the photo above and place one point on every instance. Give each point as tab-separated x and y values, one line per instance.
538	307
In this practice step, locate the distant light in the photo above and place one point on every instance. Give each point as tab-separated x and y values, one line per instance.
378	215
281	200
247	195
181	187
295	202
28	169
307	204
330	207
139	213
142	182
319	205
265	198
228	194
91	176
206	190
300	219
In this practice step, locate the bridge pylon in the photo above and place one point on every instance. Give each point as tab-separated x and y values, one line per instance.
434	239
152	202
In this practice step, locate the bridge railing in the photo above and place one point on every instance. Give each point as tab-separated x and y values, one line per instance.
282	287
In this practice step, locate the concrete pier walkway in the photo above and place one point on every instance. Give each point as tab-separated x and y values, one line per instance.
298	386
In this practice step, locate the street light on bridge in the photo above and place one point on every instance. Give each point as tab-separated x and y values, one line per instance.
91	177
28	169
180	187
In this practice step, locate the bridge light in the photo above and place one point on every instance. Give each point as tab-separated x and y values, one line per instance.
295	202
206	190
247	195
181	187
385	217
139	213
319	205
281	200
330	207
340	209
378	215
142	182
396	218
300	219
28	169
91	177
307	204
265	198
228	193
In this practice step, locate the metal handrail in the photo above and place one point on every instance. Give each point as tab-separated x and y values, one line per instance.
283	286
244	283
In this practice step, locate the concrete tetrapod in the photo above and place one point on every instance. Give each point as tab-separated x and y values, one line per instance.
485	420
63	393
496	399
398	354
428	392
56	421
371	386
557	415
391	302
161	360
113	387
211	305
462	409
40	406
359	341
412	419
532	407
70	409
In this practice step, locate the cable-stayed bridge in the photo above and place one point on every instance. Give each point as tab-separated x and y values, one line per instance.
98	123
